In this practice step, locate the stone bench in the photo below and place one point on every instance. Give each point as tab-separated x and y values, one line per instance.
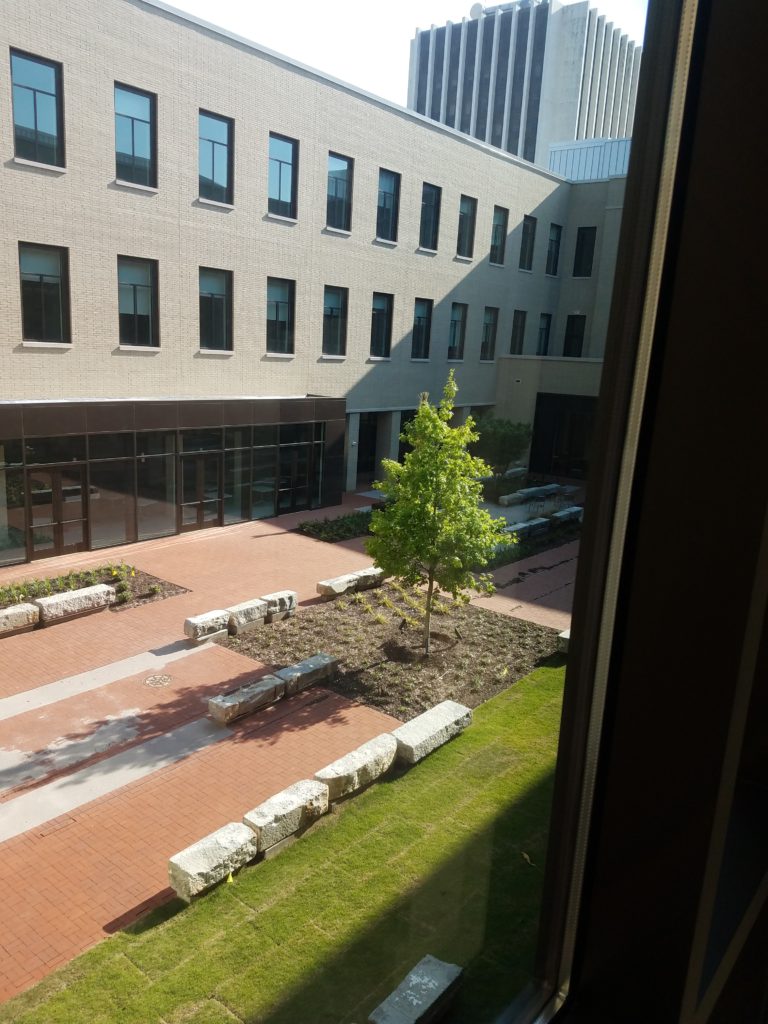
530	526
507	500
247	615
18	618
571	514
208	626
350	582
422	996
280	605
74	602
296	678
535	526
226	707
202	865
563	641
287	812
515	473
360	767
430	730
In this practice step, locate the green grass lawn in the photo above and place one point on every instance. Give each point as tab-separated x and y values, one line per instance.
429	862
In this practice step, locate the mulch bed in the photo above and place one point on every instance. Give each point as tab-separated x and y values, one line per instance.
475	652
134	586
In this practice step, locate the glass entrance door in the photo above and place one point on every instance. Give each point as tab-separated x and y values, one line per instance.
293	485
57	510
200	491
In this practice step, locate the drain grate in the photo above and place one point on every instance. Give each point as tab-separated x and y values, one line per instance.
157	680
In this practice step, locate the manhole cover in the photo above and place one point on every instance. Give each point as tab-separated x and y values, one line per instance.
157	680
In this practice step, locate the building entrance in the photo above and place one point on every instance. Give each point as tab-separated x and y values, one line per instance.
200	491
293	480
57	510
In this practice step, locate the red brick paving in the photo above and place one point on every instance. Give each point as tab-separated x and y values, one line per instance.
545	595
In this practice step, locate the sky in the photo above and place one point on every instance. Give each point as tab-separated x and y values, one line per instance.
363	42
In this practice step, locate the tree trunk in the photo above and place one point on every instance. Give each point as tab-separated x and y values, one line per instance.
428	614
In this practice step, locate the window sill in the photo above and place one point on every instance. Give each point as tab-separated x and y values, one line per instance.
279	355
135	186
552	277
147	350
426	252
327	358
214	203
463	259
328	230
54	168
63	345
379	359
215	353
280	218
522	270
419	359
491	361
455	359
581	277
389	242
499	266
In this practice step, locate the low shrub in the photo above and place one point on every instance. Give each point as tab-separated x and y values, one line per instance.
356	524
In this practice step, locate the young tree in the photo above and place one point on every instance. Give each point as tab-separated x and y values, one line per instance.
432	530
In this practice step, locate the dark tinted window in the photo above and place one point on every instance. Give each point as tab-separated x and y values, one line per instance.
334	321
135	147
215	309
381	324
237	437
429	229
484	83
110	446
205	440
43	450
283	169
500	87
585	252
465	241
469	77
280	315
38	115
437	73
453	75
44	292
490	327
388	209
541	15
553	248
518	77
339	200
422	328
137	301
545	324
527	243
573	342
155	442
499	234
518	332
216	163
457	330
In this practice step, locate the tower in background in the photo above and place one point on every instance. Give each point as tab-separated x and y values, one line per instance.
526	75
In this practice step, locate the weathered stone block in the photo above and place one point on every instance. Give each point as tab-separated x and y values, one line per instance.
280	605
288	811
421	996
312	670
563	641
247	615
539	525
210	860
74	602
18	616
226	707
515	473
367	578
337	585
508	500
360	767
208	626
430	730
566	515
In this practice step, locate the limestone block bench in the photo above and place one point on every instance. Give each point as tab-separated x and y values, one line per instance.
208	861
208	626
19	618
280	605
286	813
350	582
430	730
571	514
507	500
530	526
359	768
563	641
73	603
422	996
247	615
227	707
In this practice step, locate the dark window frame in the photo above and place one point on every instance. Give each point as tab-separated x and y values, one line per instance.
465	235
64	297
553	249
575	331
456	345
421	332
274	202
340	208
335	323
517	337
429	223
205	344
152	97
498	248
58	71
545	334
154	316
229	192
289	341
584	252
527	243
381	325
383	213
490	332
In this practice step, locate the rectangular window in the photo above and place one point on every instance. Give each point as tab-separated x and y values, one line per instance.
422	328
457	331
429	229
553	249
574	335
38	109
339	202
137	301
499	235
381	325
216	152
44	292
465	241
490	326
283	175
388	209
545	324
527	243
215	309
135	138
518	332
335	321
280	302
585	251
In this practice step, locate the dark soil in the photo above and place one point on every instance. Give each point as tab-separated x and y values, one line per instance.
475	653
133	586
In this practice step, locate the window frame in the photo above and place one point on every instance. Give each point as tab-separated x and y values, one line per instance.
422	331
465	234
579	250
229	199
290	320
58	70
456	349
341	325
294	165
527	243
570	335
489	335
517	335
496	248
346	202
554	243
430	217
395	212
152	97
154	316
389	307
228	345
545	334
64	296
